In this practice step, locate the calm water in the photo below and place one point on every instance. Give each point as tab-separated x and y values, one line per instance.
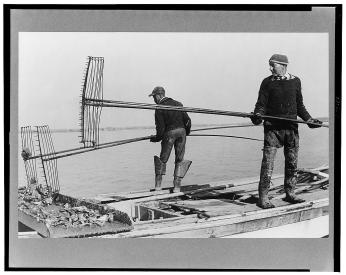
130	167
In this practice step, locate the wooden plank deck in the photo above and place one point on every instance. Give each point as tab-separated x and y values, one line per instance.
225	213
143	195
216	209
228	224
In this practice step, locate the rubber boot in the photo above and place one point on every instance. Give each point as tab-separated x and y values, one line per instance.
291	157
290	184
160	169
180	171
176	184
265	178
293	198
158	181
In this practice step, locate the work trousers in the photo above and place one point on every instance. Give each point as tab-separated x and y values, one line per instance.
274	139
176	138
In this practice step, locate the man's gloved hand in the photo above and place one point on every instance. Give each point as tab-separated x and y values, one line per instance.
256	118
317	123
153	139
26	154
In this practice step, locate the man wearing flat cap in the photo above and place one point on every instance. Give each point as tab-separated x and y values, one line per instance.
172	127
280	95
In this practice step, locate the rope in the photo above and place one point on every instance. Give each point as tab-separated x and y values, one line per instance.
194	135
225	127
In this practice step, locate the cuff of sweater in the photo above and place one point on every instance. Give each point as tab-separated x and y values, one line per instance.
306	119
157	138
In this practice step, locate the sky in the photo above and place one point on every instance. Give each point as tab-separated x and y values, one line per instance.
220	71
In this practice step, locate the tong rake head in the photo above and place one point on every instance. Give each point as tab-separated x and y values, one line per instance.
28	151
38	144
92	88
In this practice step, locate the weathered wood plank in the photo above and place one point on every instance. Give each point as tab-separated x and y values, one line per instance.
243	227
29	221
241	189
148	213
299	190
104	198
28	235
163	194
227	220
215	207
317	227
155	224
237	182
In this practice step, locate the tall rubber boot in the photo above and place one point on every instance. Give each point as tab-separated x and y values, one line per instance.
265	178
291	157
160	169
158	181
176	184
180	171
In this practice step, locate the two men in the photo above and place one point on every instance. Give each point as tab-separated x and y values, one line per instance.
172	127
280	95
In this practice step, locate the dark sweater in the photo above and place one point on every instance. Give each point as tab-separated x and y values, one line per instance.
168	120
281	98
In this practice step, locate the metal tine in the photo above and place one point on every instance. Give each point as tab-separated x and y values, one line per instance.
40	150
24	142
30	165
54	162
84	88
45	151
88	93
50	164
90	115
32	148
40	154
47	168
92	87
100	96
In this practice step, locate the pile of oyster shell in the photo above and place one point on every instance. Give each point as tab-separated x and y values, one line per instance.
38	201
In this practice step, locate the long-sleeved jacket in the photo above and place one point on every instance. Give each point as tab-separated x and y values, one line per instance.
166	120
281	98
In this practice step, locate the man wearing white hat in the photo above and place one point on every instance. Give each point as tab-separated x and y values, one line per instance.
280	96
172	127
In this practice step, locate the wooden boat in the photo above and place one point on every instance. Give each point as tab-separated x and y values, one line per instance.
219	209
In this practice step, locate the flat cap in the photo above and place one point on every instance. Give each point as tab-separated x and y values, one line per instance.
158	91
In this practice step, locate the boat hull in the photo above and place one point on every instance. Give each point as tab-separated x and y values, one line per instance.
223	210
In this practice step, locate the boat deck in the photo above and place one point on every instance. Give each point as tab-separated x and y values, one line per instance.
218	209
219	213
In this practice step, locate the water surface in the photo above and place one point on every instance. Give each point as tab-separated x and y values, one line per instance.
130	167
